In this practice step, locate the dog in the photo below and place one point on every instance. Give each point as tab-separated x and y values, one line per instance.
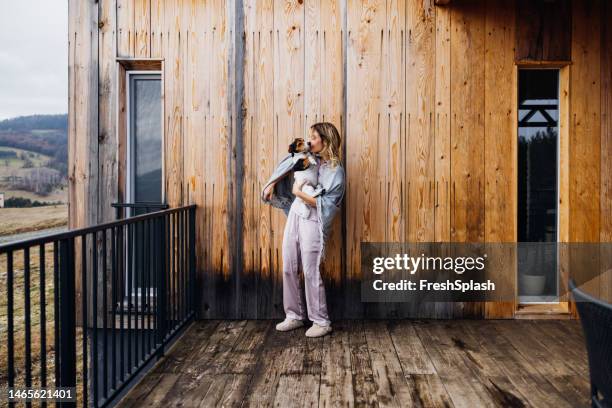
305	168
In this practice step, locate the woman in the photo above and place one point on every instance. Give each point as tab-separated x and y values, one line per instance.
305	235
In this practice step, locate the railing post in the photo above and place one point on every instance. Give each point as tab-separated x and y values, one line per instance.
67	317
192	259
162	270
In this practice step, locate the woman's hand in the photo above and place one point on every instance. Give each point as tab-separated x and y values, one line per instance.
297	186
297	191
269	191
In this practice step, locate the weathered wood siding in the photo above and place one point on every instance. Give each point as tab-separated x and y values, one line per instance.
424	97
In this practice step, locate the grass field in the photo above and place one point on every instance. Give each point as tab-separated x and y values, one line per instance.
59	194
19	220
14	166
8	164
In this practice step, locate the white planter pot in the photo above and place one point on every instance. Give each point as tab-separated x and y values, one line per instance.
532	285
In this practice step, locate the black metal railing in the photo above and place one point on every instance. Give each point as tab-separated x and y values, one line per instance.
139	206
120	292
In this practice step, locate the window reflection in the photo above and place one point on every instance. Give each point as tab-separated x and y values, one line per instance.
538	116
145	138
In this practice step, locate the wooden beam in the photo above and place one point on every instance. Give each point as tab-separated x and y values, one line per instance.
543	30
141	64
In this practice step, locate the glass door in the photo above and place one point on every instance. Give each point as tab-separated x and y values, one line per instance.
144	147
538	192
144	167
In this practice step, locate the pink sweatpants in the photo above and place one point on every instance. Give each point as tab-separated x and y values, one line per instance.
301	241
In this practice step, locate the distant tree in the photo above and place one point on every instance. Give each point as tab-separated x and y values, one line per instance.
38	180
7	154
33	122
21	202
28	163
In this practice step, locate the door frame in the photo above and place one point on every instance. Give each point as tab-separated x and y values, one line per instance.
562	306
125	67
128	157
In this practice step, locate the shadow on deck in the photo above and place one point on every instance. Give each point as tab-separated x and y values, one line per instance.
396	362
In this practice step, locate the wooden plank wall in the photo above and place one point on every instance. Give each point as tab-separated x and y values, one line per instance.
543	32
585	140
424	97
606	151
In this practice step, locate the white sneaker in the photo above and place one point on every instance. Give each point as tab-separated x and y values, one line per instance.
318	331
289	324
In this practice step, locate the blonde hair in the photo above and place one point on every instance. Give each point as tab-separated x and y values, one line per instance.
331	142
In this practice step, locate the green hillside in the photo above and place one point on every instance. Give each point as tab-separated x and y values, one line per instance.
13	158
46	136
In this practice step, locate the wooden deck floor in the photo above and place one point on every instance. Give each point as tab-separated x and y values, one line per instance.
369	363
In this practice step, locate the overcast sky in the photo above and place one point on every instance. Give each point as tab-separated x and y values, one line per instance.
33	57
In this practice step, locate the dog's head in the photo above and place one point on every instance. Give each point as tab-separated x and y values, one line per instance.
299	146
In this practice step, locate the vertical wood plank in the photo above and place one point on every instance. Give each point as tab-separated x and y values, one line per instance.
157	26
108	188
107	113
258	147
442	125
289	37
194	131
442	137
208	289
263	127
606	123
173	109
420	106
126	28
606	152
365	24
467	129
142	28
585	149
83	113
241	282
313	34
500	146
221	150
394	108
250	195
585	139
83	20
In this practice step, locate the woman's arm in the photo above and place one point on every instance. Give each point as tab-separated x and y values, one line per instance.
297	191
269	190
